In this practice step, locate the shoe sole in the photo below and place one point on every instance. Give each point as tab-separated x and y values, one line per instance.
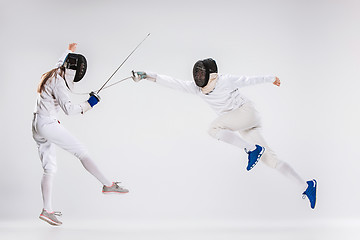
257	160
315	185
113	192
48	220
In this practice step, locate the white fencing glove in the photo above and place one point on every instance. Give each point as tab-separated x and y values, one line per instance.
137	76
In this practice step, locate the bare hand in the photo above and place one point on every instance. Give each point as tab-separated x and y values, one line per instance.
72	47
277	82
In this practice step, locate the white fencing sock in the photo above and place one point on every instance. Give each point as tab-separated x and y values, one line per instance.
233	138
46	189
91	167
285	169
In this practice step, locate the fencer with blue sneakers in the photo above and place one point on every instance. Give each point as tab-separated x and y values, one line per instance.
238	123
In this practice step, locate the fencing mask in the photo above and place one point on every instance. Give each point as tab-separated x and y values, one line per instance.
202	70
77	64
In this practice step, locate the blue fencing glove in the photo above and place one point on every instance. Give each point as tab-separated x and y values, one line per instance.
94	99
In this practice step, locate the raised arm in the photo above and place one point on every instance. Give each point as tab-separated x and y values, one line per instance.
71	48
244	81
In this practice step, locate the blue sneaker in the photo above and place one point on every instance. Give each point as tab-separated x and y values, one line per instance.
310	192
254	156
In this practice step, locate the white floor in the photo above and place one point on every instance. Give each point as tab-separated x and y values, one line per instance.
105	230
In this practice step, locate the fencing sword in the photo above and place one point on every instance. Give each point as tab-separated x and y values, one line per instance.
103	86
117	82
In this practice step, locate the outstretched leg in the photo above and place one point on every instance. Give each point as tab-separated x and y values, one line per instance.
55	133
64	139
270	158
242	128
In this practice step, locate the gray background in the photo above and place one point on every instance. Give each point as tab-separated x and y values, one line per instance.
155	140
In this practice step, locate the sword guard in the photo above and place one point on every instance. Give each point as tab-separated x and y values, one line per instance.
95	95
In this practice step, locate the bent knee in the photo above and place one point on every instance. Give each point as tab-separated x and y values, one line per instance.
270	159
82	155
213	131
50	171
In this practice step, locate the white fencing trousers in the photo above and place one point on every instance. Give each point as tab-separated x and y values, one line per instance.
48	132
242	125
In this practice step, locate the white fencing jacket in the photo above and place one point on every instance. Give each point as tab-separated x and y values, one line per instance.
225	97
55	96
